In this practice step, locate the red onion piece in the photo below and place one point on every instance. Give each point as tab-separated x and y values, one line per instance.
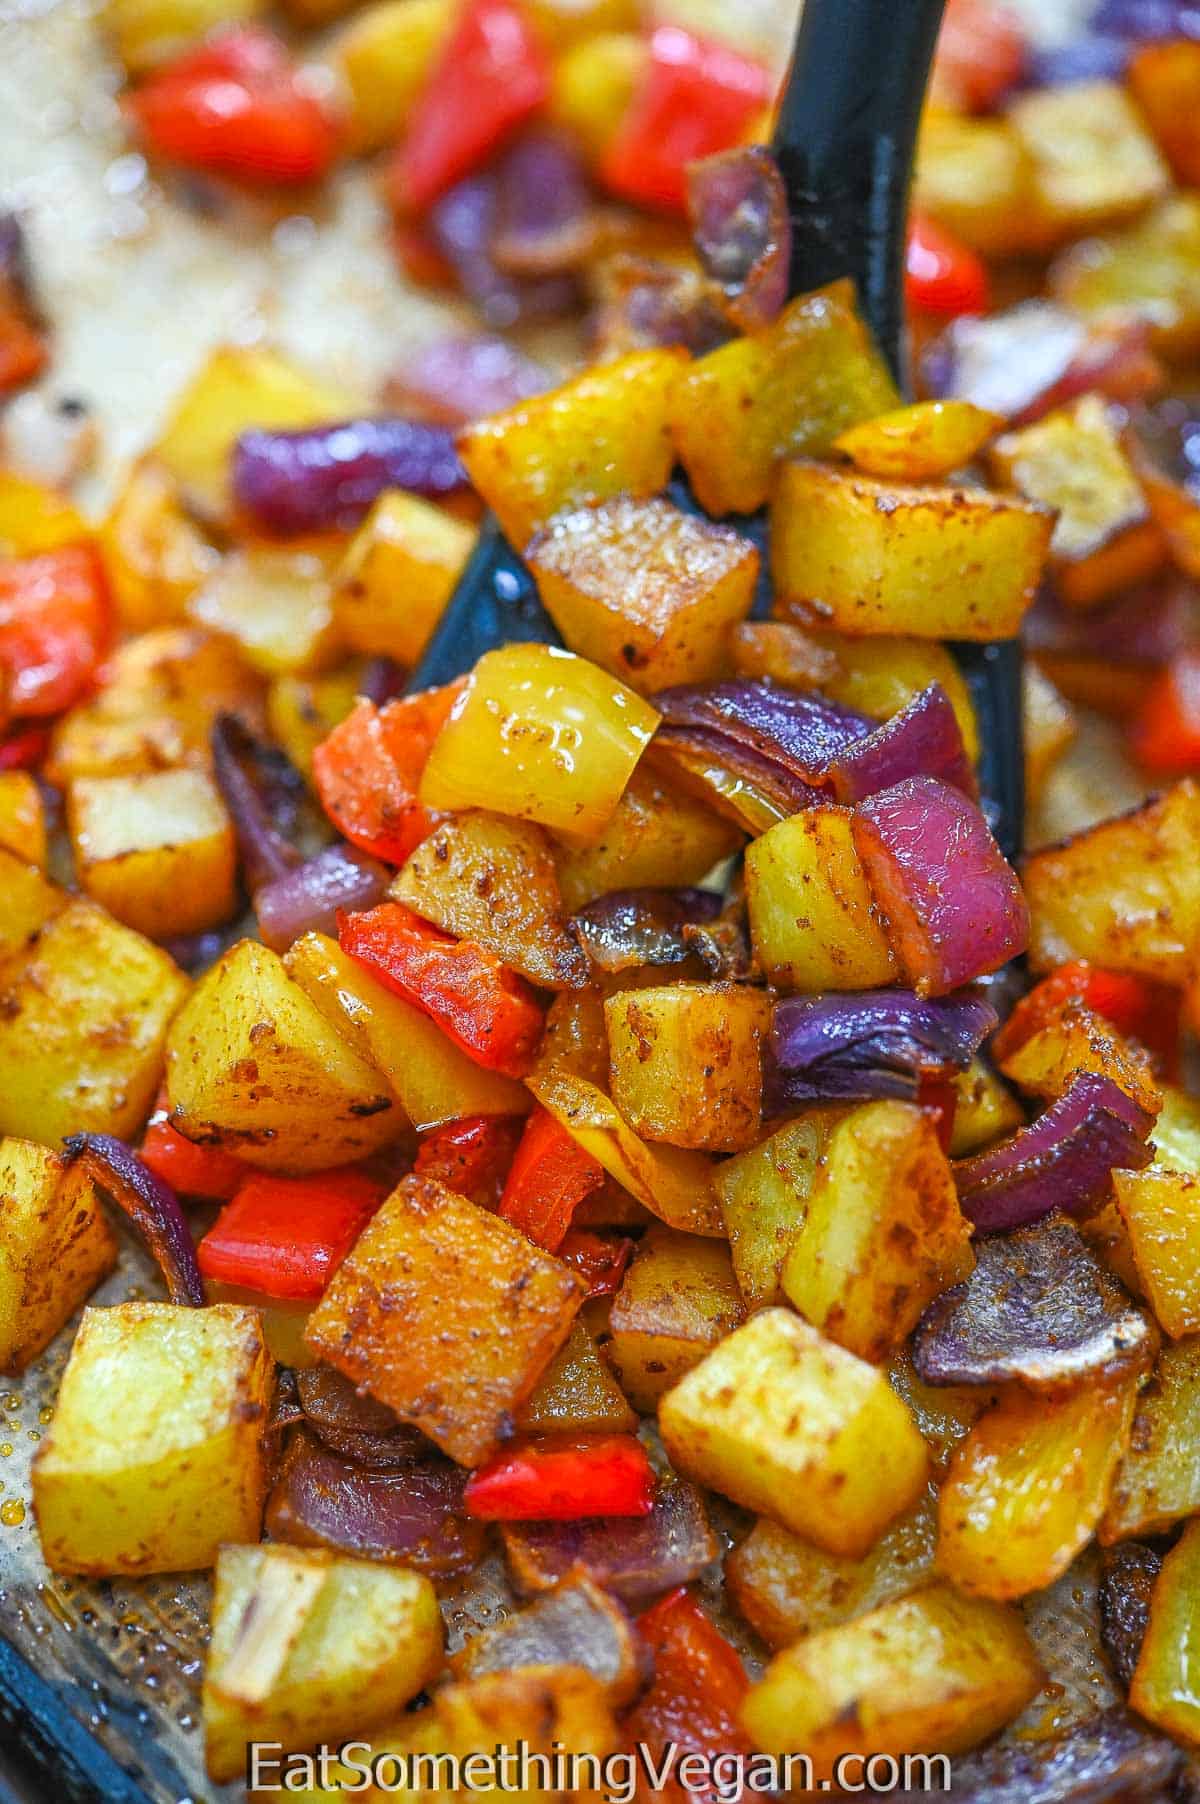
645	302
738	209
327	476
151	1205
308	899
1148	625
693	747
545	216
631	927
462	224
1092	56
1148	21
1168	431
923	739
259	786
797	729
1112	1758
953	903
873	1043
1064	1161
381	680
465	377
353	1425
635	1557
1034	357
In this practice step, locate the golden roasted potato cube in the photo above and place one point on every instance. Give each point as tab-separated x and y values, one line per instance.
149	32
541	734
813	921
577	1394
884	1234
1093	160
1176	1136
276	604
1158	1481
1161	1212
1073	460
790	1425
786	1588
302	711
686	1062
1166	1684
399	573
157	1450
678	1300
1149	272
603	433
985	1110
779	393
30	900
83	1024
434	1081
157	851
764	1198
944	1413
484	878
308	1647
155	557
1076	1039
1124	893
930	1671
1050	728
22	817
655	837
592	86
1164	80
1028	1486
34	517
673	1182
575	1620
644	590
447	1315
873	557
919	443
253	1065
976	177
385	54
55	1246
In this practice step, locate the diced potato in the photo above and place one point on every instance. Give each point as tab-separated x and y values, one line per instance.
643	589
155	557
1124	893
779	393
399	571
302	711
1050	728
976	177
55	1246
592	86
157	1451
83	1022
874	557
686	1062
1158	1481
1161	1213
1175	511
385	55
678	1300
447	1315
254	1066
1073	460
1166	1684
308	1648
276	604
34	517
575	1041
1094	162
158	851
794	1427
577	1394
1150	272
22	817
764	1198
1028	1486
1075	1039
149	32
604	433
434	1081
786	1588
920	443
931	1671
576	1621
30	900
541	734
673	1182
1164	80
1108	1237
944	1413
985	1110
656	837
1176	1136
813	922
484	878
884	1234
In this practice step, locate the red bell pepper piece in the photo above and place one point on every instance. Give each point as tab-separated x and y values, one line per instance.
694	1701
1138	1007
477	1002
238	106
285	1237
368	769
491	75
471	1156
600	1260
551	1174
941	274
548	1482
22	349
980	53
1164	734
54	626
697	97
190	1169
24	751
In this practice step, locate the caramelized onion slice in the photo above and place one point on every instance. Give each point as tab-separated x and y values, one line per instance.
309	898
742	229
637	1557
872	1043
631	927
151	1205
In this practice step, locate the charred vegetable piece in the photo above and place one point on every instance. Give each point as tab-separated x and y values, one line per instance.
636	1558
151	1205
627	929
656	836
56	1247
353	1424
575	1623
737	206
1128	1577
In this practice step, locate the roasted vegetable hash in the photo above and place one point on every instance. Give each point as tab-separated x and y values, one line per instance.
605	1107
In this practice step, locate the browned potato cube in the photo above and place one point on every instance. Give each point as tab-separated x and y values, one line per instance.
985	1109
447	1315
1050	729
1161	1212
1094	161
813	920
1158	1481
874	557
1166	1684
22	817
577	1394
794	1427
30	900
157	850
678	1300
1150	272
55	1246
924	442
686	1062
643	589
764	1198
276	603
978	179
398	574
1164	80
1078	1040
656	837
